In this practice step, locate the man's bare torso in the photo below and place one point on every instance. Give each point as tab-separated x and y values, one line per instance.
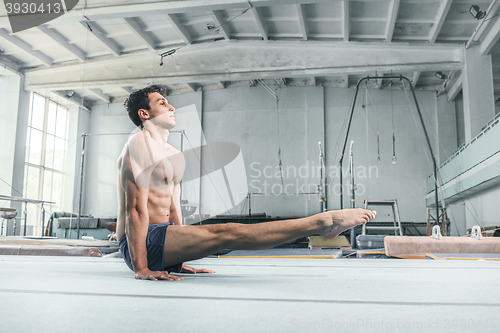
157	168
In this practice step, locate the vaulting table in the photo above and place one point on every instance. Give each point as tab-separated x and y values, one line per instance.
26	201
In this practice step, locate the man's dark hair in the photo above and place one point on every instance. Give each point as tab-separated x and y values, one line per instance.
140	100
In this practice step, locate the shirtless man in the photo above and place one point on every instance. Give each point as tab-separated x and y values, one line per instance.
152	239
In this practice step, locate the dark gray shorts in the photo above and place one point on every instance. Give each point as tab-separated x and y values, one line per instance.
155	242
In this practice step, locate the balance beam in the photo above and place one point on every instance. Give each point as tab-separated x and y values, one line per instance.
419	246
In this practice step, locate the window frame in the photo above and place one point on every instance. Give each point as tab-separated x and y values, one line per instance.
42	169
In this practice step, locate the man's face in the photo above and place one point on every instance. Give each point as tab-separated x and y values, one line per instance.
161	113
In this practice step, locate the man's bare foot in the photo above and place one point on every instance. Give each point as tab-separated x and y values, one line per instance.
337	221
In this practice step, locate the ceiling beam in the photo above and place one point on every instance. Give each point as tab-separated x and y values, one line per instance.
10	65
192	86
345	81
302	21
379	82
98	93
455	88
313	81
219	21
416	77
76	99
257	14
179	28
442	13
128	90
345	20
25	47
491	38
59	39
150	8
139	32
281	82
391	22
301	59
108	43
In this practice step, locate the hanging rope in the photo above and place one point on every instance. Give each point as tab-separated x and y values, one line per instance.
86	57
367	141
393	135
378	133
280	165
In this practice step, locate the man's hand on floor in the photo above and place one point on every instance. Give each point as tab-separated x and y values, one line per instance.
146	274
190	270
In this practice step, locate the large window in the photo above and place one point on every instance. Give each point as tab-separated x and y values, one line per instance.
46	147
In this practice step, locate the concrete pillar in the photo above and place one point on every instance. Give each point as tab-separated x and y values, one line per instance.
20	153
459	107
479	100
447	128
9	95
74	149
83	125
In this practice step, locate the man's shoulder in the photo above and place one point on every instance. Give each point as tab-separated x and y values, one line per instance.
136	145
134	151
134	138
172	150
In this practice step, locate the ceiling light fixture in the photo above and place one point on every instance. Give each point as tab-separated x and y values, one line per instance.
168	53
476	13
440	75
70	93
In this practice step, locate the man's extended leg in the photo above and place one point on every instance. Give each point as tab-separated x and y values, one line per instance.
184	243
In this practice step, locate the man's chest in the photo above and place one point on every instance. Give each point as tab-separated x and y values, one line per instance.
169	170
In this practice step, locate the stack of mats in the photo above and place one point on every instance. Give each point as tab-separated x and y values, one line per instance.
50	246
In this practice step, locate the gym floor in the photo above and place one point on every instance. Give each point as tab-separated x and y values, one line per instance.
85	294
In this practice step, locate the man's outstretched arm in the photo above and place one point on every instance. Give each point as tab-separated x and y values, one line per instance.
137	222
175	206
136	189
136	227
